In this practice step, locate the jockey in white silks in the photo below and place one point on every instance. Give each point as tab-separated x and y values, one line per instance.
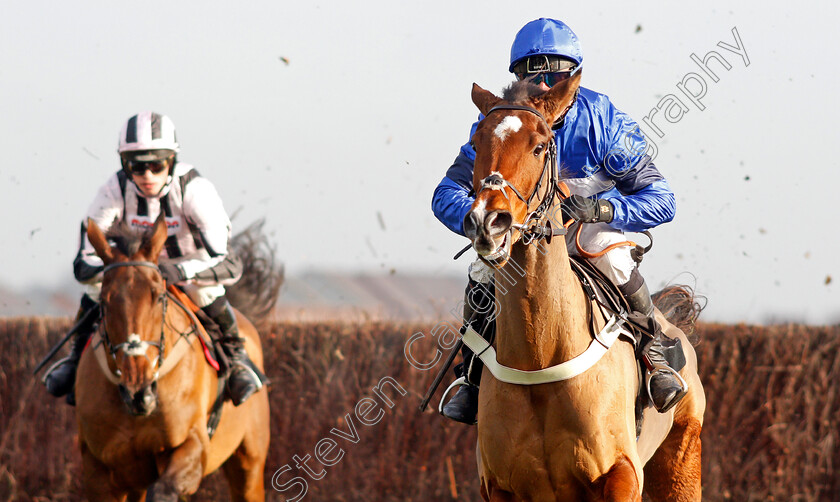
195	256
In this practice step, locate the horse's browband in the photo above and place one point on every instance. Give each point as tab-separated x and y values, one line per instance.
519	107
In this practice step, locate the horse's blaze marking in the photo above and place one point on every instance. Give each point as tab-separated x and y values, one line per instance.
508	125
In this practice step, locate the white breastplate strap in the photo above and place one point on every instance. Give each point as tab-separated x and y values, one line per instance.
563	371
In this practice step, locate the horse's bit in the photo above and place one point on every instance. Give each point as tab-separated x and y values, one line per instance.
134	346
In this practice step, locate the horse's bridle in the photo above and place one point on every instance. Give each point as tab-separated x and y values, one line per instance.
532	228
134	346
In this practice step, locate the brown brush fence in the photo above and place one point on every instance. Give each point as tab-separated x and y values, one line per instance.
771	430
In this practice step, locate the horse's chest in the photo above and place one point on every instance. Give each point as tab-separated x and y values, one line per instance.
523	432
129	446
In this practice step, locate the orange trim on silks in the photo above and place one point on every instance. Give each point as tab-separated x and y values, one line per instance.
604	251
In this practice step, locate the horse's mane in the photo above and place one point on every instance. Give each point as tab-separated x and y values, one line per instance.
128	240
262	276
521	90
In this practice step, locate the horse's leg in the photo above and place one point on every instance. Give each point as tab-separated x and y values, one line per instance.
96	479
245	477
244	469
184	470
673	473
620	483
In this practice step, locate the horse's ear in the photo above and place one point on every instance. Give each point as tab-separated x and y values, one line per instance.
152	247
555	102
483	99
99	242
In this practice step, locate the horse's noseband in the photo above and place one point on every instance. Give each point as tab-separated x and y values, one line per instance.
497	182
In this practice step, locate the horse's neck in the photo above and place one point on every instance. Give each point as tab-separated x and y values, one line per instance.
543	316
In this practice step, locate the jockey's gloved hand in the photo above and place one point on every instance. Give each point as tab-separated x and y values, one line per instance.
172	273
586	209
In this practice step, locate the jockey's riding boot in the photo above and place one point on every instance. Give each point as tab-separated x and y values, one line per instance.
242	380
478	303
61	377
666	387
463	407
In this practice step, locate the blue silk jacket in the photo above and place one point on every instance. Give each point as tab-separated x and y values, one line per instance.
601	153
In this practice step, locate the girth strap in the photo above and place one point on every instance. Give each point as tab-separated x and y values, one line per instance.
563	371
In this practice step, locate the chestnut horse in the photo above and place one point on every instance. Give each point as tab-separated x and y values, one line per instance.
142	410
573	439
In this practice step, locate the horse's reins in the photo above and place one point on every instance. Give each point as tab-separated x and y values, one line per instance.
135	346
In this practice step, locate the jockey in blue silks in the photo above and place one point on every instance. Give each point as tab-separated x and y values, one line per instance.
614	184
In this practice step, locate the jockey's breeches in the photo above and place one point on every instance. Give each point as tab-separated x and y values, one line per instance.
617	264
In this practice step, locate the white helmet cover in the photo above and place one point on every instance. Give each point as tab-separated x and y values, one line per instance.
148	131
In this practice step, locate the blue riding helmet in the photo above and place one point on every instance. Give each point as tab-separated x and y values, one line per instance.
545	37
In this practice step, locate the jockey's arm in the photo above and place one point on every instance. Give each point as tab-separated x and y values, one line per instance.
643	198
106	209
203	207
452	198
649	207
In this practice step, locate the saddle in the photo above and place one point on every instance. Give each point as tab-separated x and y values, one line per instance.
599	289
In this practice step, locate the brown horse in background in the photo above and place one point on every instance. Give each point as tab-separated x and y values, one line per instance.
143	420
573	439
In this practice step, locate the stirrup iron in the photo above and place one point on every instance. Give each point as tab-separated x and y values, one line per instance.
457	383
664	368
55	366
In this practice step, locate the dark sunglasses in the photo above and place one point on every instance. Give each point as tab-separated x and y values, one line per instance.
139	167
551	78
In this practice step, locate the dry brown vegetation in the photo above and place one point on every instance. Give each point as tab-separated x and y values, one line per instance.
770	432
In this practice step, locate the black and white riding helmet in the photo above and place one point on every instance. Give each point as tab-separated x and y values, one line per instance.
149	134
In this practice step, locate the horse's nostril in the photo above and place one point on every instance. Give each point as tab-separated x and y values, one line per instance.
472	222
498	222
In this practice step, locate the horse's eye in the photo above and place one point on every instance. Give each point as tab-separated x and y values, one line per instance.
539	149
472	144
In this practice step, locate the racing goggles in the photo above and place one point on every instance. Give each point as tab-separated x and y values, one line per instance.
549	69
139	167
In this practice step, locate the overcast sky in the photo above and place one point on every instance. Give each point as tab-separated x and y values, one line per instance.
336	120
